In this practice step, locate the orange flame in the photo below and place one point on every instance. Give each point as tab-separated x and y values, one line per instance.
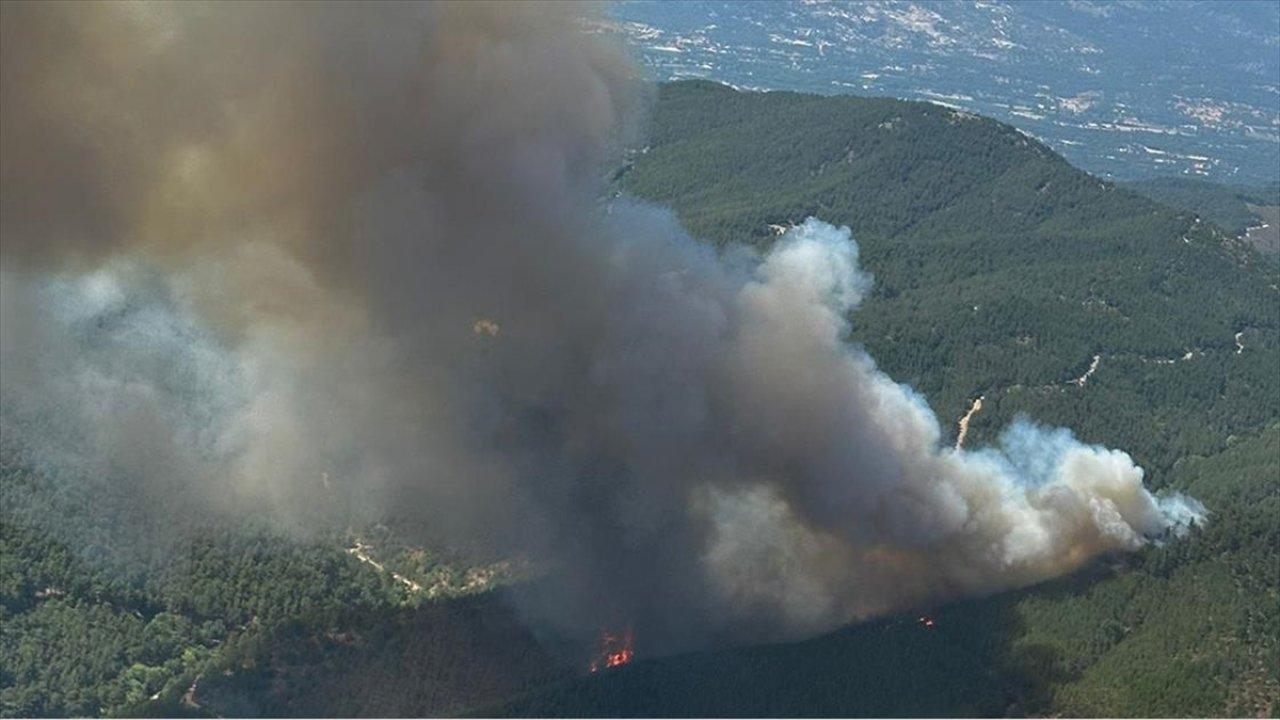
615	650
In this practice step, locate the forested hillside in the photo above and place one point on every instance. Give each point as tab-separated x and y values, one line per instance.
1004	273
1000	270
1001	273
105	613
1225	205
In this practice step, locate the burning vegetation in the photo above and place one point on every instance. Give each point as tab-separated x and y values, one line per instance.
613	651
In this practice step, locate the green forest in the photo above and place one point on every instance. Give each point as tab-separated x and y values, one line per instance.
1001	272
1227	206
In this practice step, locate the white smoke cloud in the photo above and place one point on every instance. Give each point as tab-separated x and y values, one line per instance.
892	517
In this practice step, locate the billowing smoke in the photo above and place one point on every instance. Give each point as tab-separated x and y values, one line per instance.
348	260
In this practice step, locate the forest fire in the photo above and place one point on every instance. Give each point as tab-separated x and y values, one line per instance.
615	650
926	621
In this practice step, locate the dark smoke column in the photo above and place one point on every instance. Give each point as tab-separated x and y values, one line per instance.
385	225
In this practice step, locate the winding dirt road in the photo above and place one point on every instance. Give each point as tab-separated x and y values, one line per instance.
361	554
962	430
1093	367
964	421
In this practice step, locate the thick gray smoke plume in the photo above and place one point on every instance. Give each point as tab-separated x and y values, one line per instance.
345	260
